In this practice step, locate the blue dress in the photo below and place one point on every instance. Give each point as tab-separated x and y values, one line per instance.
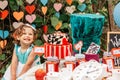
22	58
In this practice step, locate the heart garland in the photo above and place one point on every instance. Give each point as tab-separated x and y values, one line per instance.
44	2
17	24
3	43
3	4
29	1
30	8
57	6
4	14
30	18
4	34
18	15
44	9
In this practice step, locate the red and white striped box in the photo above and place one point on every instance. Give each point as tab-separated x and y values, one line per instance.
60	51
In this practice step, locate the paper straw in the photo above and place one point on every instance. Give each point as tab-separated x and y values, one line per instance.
80	50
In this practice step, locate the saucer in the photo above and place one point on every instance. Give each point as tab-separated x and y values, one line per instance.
110	78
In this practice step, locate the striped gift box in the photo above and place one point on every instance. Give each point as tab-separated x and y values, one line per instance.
60	51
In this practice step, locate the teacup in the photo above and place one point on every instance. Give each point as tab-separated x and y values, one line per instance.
52	76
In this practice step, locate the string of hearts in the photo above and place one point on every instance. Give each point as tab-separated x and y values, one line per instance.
31	8
3	33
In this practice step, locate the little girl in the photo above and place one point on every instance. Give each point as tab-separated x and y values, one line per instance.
23	55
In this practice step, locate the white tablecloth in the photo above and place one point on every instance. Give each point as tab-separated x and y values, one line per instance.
30	74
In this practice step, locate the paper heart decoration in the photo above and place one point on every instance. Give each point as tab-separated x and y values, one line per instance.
57	6
3	43
4	14
29	1
81	1
57	14
58	25
30	18
69	2
30	8
4	34
18	15
17	24
44	2
44	9
70	9
3	4
81	7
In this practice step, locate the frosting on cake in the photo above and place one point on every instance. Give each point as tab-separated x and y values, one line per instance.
91	70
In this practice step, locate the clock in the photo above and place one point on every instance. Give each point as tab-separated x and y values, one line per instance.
91	70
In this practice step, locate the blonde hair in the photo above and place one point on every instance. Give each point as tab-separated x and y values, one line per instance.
19	32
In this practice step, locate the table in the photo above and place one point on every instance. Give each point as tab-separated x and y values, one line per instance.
87	28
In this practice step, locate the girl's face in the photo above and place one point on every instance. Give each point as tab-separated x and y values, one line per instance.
27	36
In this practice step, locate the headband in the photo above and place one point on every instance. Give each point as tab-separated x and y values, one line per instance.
32	26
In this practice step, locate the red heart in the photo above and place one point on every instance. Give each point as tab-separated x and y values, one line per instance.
30	8
3	14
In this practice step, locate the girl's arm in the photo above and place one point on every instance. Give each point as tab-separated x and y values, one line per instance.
14	64
29	62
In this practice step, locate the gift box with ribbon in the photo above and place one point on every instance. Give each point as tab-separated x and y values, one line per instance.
60	51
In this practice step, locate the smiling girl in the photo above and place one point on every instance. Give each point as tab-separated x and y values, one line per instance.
23	55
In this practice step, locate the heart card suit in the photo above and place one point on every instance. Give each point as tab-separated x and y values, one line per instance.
30	8
44	9
29	1
3	4
17	24
57	6
3	43
4	14
18	15
4	34
30	18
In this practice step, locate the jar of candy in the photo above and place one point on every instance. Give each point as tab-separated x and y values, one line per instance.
52	64
80	58
70	62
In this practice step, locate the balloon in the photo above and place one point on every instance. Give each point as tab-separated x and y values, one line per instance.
116	14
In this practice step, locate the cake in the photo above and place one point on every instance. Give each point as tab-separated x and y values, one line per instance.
91	70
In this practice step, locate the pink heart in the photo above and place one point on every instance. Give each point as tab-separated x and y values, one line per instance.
29	1
3	4
17	24
57	6
30	18
81	1
70	9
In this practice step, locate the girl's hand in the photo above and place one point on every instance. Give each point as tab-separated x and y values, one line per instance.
13	78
